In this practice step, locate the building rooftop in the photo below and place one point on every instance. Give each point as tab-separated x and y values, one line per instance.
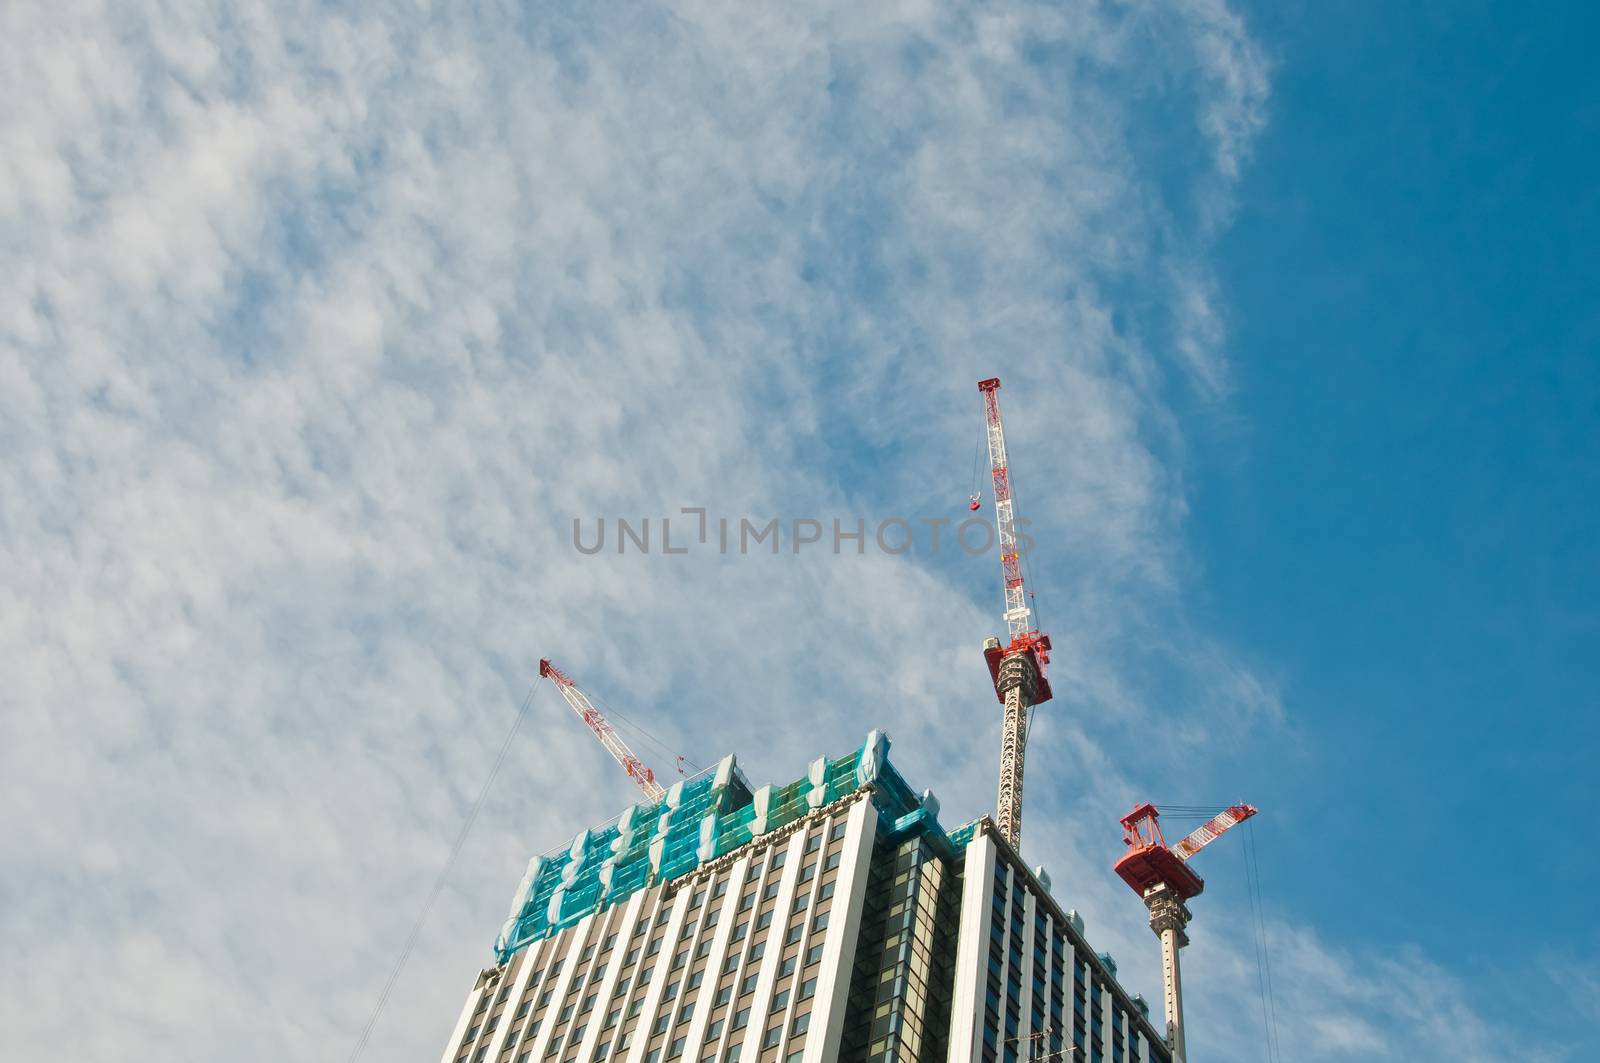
699	820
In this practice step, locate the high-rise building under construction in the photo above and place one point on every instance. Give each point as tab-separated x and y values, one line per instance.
832	918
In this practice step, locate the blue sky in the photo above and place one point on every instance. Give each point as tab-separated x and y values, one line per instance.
325	323
1397	507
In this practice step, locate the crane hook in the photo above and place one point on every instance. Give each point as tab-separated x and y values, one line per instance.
973	502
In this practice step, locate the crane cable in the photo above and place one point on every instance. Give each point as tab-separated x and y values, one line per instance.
444	872
983	438
611	713
1269	1007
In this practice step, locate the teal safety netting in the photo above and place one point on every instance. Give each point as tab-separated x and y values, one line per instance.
699	820
963	834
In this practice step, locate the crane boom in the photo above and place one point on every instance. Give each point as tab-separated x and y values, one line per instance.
593	719
1017	614
1212	829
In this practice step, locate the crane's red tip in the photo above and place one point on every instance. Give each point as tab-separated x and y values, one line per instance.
992	384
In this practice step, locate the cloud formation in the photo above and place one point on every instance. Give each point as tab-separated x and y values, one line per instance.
322	325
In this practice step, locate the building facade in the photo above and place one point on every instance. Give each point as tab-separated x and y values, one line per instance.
832	918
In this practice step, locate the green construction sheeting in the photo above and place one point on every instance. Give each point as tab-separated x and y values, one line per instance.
699	820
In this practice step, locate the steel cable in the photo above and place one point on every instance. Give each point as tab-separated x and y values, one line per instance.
444	874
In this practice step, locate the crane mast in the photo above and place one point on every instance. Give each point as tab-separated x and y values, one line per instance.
593	719
1017	668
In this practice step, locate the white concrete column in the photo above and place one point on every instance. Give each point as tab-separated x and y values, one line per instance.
767	973
453	1047
660	972
608	985
728	915
972	946
844	928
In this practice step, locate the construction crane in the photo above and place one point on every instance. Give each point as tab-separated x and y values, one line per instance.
593	719
1161	876
1018	667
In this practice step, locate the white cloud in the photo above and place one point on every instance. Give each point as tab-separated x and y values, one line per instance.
323	324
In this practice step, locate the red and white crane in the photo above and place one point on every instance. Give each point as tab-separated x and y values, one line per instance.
596	722
1161	876
1017	668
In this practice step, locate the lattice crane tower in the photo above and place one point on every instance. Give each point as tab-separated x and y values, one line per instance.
1017	668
